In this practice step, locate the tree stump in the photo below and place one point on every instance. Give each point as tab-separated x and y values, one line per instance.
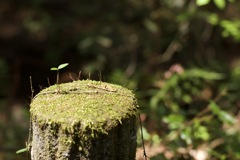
84	120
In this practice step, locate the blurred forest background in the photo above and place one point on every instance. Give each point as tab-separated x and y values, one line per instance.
180	57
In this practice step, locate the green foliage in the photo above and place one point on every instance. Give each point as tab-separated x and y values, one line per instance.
231	28
182	86
191	112
202	2
222	115
221	4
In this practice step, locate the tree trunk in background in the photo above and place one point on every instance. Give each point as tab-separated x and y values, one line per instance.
84	120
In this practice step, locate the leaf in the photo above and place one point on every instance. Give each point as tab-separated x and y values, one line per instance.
54	69
202	133
226	117
222	115
187	98
174	118
221	4
186	135
174	121
202	2
205	74
61	66
231	28
213	19
214	108
22	150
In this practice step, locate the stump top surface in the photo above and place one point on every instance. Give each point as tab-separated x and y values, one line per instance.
94	104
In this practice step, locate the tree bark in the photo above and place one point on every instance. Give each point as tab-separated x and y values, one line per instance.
85	120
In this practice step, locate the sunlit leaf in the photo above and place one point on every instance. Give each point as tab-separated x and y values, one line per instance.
205	74
214	108
226	117
54	69
231	28
186	135
222	115
62	65
213	19
220	3
202	2
187	98
174	118
174	121
22	150
202	133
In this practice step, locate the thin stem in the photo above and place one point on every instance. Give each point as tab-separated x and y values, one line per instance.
57	76
48	82
30	123
32	90
143	145
58	86
79	75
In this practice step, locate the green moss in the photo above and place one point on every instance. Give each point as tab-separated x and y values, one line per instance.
83	105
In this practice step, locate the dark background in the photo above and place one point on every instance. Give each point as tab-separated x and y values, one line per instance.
178	56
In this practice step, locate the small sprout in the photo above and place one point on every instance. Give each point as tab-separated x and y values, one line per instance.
61	66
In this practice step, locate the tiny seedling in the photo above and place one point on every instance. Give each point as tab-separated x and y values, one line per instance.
61	66
26	149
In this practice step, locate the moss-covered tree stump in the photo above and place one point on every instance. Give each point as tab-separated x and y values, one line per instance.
84	120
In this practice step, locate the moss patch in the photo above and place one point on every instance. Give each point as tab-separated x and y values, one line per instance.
82	105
